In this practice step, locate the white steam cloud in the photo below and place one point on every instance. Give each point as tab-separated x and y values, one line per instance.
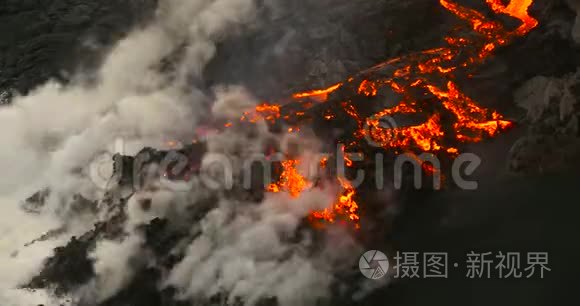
246	251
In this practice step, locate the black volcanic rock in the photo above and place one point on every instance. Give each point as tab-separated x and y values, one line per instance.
44	39
69	268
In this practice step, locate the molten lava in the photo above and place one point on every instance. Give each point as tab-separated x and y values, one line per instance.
294	183
345	207
432	72
268	112
319	94
291	180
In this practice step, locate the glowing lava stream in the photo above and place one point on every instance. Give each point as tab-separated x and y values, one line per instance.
420	71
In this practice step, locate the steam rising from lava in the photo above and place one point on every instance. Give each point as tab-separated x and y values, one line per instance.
245	250
54	133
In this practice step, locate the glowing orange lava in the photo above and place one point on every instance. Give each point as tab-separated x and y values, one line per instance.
432	72
319	94
345	207
291	180
268	112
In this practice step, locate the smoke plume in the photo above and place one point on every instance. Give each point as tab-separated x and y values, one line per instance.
239	250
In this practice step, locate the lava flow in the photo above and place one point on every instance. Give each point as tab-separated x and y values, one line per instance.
433	73
290	180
